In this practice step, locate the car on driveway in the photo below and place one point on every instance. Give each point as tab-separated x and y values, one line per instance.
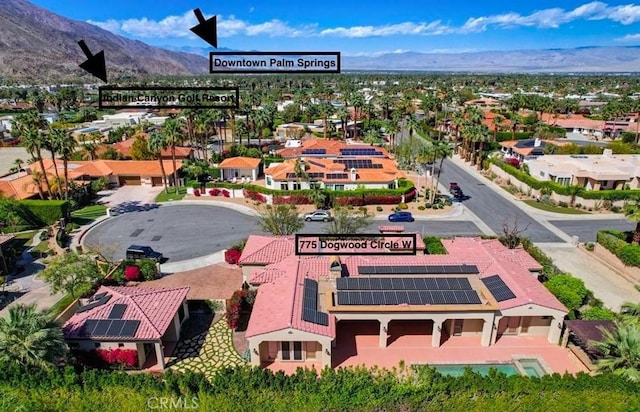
318	216
401	217
135	252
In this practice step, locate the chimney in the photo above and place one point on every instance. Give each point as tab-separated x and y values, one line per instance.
607	153
354	174
537	142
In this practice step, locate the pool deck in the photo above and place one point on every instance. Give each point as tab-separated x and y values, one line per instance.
416	349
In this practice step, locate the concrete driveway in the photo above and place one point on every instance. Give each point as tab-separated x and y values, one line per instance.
128	195
9	154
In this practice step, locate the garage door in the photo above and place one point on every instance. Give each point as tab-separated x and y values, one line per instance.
130	181
156	181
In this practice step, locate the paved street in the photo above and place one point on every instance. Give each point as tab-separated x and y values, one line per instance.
425	228
179	232
586	229
491	208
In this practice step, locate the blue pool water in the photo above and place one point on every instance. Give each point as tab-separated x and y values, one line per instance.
458	370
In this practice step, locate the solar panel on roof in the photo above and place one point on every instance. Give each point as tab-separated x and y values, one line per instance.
337	176
94	303
449	297
378	297
414	297
310	312
117	311
376	283
115	327
403	297
397	283
88	327
409	284
498	288
473	297
367	270
438	297
102	328
130	328
321	319
367	298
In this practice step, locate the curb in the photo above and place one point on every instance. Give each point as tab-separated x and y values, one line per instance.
246	210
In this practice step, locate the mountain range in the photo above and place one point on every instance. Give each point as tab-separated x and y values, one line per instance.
39	45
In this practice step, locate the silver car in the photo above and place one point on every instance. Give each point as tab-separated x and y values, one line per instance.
318	216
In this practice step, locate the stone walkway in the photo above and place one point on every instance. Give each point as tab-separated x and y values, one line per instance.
207	352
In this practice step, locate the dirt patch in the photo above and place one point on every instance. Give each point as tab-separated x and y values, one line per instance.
212	282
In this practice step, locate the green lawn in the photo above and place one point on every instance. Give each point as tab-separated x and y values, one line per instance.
60	305
171	195
555	209
88	214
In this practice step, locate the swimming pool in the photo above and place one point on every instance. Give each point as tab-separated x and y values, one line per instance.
508	369
526	367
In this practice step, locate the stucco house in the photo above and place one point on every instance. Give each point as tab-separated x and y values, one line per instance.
327	310
147	320
592	172
238	168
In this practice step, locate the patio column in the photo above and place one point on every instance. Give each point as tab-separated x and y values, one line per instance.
176	324
326	353
436	334
487	332
159	355
384	328
555	329
254	349
494	326
186	310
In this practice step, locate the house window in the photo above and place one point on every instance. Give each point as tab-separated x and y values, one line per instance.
605	183
121	345
328	187
268	180
291	351
392	186
284	186
296	186
565	181
339	187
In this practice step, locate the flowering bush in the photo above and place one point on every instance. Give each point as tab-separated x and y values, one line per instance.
214	192
513	162
122	357
196	192
132	273
225	193
242	300
232	256
291	200
382	200
253	195
349	201
410	196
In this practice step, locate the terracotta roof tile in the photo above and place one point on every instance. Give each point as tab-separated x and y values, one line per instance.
155	308
240	163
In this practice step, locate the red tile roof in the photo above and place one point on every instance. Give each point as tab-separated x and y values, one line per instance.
263	250
155	308
278	303
332	148
124	148
388	173
240	163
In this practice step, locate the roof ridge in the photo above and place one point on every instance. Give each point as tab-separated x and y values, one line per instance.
295	292
144	315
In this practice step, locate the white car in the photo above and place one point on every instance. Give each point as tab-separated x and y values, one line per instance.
318	216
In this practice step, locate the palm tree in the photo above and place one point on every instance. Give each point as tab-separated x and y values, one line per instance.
240	128
66	147
392	127
157	143
344	116
262	119
300	170
33	143
482	138
172	132
326	110
17	165
36	179
516	120
52	141
621	351
498	123
442	150
630	309
358	102
30	338
412	125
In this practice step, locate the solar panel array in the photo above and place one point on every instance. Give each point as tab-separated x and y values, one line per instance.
361	152
359	164
361	283
314	151
337	176
310	311
498	288
95	301
116	328
419	270
410	297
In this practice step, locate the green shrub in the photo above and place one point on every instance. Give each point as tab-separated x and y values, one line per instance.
590	246
428	205
403	206
148	269
563	204
378	208
434	245
47	212
630	255
421	207
615	209
598	313
569	290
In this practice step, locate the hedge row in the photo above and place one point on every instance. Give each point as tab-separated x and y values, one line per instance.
47	212
614	243
566	190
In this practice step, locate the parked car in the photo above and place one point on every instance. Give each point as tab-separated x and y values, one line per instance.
318	216
143	252
401	217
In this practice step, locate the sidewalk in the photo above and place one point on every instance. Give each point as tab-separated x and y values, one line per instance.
607	285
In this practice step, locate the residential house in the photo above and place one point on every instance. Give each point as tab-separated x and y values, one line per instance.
485	103
526	150
350	310
240	168
592	172
335	174
124	148
575	123
325	148
147	320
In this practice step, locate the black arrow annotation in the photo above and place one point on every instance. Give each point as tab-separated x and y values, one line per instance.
206	29
95	63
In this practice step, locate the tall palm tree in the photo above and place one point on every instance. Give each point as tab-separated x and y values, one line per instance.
516	120
172	132
66	147
392	126
30	338
36	179
621	350
326	110
17	165
412	126
442	150
498	124
344	116
157	143
51	141
300	170
358	102
33	143
262	119
482	138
